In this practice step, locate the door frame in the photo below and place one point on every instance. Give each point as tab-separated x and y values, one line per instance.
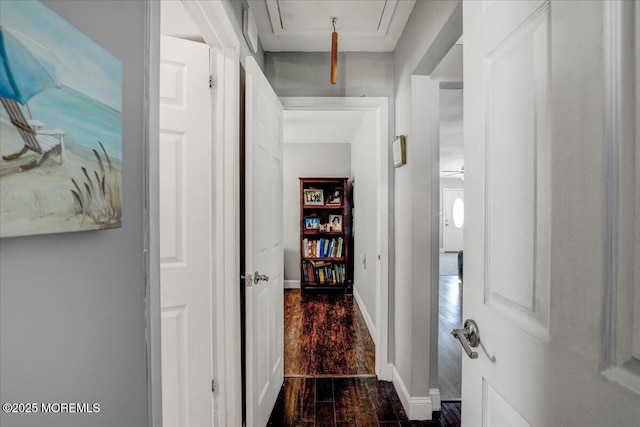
380	105
217	30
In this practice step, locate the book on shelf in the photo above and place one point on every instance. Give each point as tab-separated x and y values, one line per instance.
322	248
321	272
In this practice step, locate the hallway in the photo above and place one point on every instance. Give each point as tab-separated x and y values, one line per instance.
329	370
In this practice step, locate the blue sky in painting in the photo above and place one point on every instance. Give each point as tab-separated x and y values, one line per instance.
88	68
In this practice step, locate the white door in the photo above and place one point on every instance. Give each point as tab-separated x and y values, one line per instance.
185	234
453	219
264	251
533	251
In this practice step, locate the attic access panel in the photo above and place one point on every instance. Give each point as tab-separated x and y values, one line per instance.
368	18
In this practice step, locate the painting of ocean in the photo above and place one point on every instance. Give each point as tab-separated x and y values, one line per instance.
60	126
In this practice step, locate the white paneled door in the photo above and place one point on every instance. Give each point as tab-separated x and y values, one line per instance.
185	234
264	250
453	219
534	193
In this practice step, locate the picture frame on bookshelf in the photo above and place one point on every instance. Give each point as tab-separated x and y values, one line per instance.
313	197
335	222
312	223
335	198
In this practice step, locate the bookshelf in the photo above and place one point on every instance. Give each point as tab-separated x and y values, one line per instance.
324	234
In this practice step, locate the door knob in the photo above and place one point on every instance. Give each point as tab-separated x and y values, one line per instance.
469	337
258	277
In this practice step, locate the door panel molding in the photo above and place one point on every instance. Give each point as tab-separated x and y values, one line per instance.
523	234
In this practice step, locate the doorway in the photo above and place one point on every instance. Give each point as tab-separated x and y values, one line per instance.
370	260
451	228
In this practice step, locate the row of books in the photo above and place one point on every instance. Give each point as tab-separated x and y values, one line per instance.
322	272
323	248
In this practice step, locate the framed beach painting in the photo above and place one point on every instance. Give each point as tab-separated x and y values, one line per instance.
60	126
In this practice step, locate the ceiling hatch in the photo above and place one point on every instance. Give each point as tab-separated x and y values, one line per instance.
305	25
366	18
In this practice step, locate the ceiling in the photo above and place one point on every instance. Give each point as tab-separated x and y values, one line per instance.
321	127
305	25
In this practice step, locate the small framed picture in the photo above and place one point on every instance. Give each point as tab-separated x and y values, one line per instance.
335	197
313	197
335	222
312	223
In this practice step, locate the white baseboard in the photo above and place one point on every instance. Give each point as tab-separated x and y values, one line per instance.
436	401
417	408
386	372
292	284
367	318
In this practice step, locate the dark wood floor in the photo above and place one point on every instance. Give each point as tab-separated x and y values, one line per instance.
330	370
449	349
325	335
346	402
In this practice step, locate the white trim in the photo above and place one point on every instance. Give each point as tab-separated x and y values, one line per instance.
381	106
365	314
436	400
625	377
152	213
292	284
417	408
217	30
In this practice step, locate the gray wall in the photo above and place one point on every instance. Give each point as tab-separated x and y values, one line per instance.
72	306
306	160
425	40
365	175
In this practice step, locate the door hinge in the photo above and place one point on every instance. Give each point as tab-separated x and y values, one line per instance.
213	386
212	81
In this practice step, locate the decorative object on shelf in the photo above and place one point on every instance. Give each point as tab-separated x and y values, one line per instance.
335	197
334	53
313	197
399	151
312	223
335	222
324	235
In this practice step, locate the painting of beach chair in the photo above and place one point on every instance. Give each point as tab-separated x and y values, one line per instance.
36	139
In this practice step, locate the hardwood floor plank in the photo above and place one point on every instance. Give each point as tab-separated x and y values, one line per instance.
381	401
364	409
325	415
307	399
344	402
325	334
324	390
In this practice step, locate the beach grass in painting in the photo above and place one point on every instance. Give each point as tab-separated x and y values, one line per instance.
85	191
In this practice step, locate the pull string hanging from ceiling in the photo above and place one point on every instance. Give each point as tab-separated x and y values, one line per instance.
334	52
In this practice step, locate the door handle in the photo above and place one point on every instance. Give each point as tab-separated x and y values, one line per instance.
469	337
258	277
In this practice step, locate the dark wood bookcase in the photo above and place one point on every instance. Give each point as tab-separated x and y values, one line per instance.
325	229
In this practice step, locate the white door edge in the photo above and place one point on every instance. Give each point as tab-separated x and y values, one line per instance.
381	106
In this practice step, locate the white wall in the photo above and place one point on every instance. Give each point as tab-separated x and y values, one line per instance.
365	174
72	305
306	160
446	183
